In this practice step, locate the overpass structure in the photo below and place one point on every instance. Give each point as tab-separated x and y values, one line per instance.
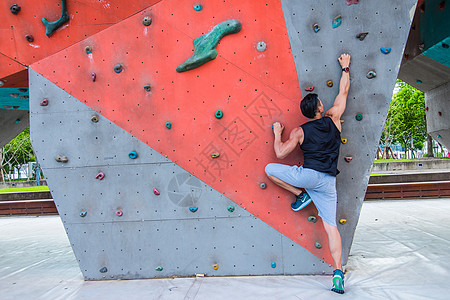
152	122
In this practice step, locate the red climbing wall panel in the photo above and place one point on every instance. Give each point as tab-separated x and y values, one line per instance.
86	18
253	89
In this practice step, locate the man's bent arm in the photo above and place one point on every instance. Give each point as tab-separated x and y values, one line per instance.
284	149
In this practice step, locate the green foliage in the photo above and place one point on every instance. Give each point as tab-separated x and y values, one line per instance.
27	189
405	121
18	151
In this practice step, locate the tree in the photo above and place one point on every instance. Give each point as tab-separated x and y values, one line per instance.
405	122
16	152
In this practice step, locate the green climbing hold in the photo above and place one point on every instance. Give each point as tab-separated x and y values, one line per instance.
53	26
337	21
205	45
218	114
230	208
359	117
318	245
312	219
168	125
198	7
159	268
371	74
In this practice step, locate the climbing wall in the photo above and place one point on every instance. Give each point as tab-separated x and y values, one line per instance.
130	218
158	170
315	53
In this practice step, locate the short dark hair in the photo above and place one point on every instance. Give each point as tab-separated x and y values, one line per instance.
309	105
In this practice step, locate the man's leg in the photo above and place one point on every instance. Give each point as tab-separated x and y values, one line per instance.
335	243
294	190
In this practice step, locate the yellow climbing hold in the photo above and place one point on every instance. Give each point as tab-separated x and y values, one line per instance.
215	266
343	140
215	155
342	221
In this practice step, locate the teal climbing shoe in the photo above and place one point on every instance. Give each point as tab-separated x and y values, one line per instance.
302	200
338	282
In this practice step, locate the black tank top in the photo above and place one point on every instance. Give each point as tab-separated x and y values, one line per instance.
320	145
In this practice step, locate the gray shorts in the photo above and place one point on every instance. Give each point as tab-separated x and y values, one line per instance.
320	186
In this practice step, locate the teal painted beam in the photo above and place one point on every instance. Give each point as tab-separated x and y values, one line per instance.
440	52
14	98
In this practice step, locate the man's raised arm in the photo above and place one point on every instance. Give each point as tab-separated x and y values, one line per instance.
340	102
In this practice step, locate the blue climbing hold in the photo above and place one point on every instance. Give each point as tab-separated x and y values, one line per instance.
193	209
337	21
273	265
385	50
198	7
316	27
133	154
168	125
419	81
83	214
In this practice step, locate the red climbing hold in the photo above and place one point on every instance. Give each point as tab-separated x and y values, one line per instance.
426	108
44	102
100	176
309	89
156	192
440	114
348	158
350	2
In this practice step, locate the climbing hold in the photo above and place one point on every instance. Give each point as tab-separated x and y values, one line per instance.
309	88
330	83
218	114
316	27
2	83
215	155
193	209
263	185
261	46
93	76
371	74
147	21
94	118
119	213
168	125
103	270
348	158
385	50
133	155
118	68
359	117
88	49
421	47
29	38
44	102
273	265
444	45
342	221
350	2
156	192
14	95
53	26
205	45
342	121
312	219
318	245
83	214
60	158
18	120
418	81
198	7
147	87
337	21
215	266
426	108
440	114
362	35
230	208
15	9
159	268
442	5
100	176
343	140
439	136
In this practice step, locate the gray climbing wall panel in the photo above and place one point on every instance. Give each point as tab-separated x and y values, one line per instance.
315	56
438	121
153	230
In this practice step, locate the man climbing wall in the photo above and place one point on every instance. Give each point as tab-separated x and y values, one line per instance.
320	139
